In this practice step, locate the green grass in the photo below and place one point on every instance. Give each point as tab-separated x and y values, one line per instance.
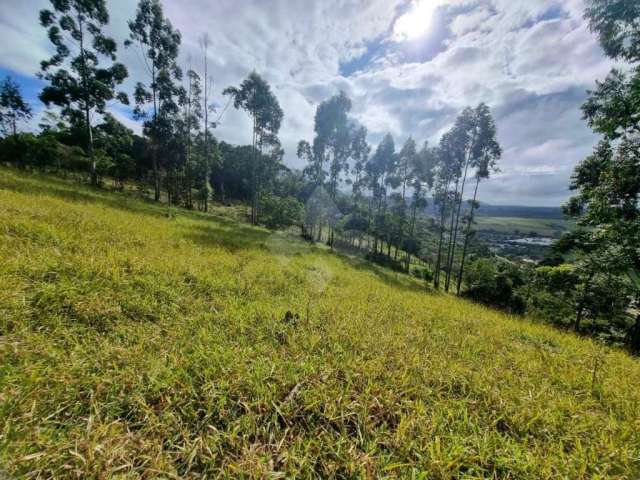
138	343
542	226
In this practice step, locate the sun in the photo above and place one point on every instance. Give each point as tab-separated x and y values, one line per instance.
416	21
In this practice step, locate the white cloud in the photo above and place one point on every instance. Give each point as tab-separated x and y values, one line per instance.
531	61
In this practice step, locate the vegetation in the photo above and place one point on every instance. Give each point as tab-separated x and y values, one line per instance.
157	330
13	108
141	340
386	217
78	85
607	183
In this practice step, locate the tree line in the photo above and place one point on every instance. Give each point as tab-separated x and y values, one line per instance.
183	163
349	194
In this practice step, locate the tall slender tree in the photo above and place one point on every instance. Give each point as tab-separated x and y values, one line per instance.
255	97
407	159
446	171
77	82
13	108
205	42
465	135
422	178
156	100
192	119
378	169
360	151
333	141
484	156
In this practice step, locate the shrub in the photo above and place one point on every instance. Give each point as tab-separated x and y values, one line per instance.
280	212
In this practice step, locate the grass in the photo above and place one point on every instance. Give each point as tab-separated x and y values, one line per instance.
136	342
542	226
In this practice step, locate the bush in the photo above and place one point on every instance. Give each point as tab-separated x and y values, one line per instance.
422	273
385	261
280	212
495	284
42	152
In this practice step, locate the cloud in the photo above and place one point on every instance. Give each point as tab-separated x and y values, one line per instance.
531	62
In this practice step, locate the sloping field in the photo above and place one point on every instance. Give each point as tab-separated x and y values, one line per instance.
138	342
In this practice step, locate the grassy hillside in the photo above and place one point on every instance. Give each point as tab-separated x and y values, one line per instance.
140	342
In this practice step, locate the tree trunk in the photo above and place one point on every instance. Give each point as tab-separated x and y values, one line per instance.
459	200
633	336
414	209
156	173
154	140
87	105
206	127
466	237
92	157
451	248
436	275
254	172
455	231
581	304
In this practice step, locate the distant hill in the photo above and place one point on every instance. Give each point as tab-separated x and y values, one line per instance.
487	210
520	211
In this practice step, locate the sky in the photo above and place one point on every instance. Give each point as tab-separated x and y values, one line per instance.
409	67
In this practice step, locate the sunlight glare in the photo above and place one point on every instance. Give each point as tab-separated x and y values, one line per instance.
416	21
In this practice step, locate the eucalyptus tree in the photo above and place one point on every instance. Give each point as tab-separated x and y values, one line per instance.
205	42
360	151
312	156
486	152
447	173
333	134
13	108
255	97
77	82
192	118
421	178
381	165
305	153
407	159
333	141
464	137
117	141
360	211
313	175
156	100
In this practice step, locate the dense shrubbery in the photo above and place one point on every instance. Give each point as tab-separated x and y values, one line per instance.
561	295
495	283
280	212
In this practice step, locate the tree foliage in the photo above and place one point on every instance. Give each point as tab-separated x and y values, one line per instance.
254	96
76	81
13	108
